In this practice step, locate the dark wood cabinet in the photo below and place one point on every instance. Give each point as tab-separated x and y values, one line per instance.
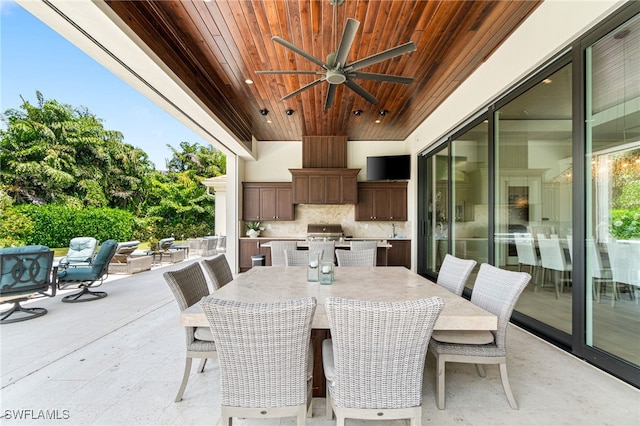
267	201
324	186
400	253
249	247
382	201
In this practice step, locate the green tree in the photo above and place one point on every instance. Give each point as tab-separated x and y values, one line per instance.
54	153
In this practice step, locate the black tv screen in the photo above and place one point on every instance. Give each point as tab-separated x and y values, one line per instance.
389	167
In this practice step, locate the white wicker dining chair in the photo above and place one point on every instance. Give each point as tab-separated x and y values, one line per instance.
356	258
300	257
365	245
189	286
497	291
374	363
454	273
218	270
277	251
265	357
327	247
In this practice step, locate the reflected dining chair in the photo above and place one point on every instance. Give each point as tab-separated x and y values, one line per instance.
356	258
600	273
553	259
218	270
189	286
265	357
374	362
277	251
497	291
526	251
624	256
365	245
454	273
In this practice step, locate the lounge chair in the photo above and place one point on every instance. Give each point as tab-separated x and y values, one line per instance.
25	273
123	261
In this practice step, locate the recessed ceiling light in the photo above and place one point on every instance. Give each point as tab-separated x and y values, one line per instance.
248	81
378	120
269	121
547	81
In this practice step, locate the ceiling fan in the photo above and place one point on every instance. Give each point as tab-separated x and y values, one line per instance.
336	71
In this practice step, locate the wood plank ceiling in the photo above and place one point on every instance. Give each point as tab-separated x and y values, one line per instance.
214	46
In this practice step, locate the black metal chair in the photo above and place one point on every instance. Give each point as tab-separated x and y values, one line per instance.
25	273
88	277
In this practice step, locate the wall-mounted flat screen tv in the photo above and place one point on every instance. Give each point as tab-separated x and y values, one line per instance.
389	167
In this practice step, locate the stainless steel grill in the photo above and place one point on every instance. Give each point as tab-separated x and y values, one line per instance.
325	232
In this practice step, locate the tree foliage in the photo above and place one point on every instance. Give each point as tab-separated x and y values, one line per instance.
55	154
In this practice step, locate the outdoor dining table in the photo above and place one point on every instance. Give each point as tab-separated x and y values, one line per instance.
393	283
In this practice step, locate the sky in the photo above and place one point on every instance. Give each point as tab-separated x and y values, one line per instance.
33	58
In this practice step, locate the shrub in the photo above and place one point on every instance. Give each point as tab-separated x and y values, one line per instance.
625	224
55	225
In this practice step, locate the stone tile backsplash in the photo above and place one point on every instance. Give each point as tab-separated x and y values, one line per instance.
329	213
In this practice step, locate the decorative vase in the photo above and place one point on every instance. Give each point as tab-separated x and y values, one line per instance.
252	233
326	272
313	268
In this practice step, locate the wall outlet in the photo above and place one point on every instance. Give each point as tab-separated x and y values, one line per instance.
366	226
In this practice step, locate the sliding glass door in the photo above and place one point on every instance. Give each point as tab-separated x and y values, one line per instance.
612	165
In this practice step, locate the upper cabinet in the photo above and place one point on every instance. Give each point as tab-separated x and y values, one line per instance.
382	201
267	201
324	186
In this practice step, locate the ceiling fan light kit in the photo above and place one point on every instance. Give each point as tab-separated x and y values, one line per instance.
264	111
357	112
289	111
337	71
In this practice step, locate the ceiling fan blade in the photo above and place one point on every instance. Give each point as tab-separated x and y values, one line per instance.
299	51
331	96
382	56
361	91
303	88
289	72
381	77
348	35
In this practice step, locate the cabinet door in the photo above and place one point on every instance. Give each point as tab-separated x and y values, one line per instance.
398	204
247	248
284	204
300	189
333	192
400	253
251	204
267	203
317	190
349	189
381	204
364	208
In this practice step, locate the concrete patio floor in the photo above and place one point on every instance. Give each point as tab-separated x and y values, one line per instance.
119	360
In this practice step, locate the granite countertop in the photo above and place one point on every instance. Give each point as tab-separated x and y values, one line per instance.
346	239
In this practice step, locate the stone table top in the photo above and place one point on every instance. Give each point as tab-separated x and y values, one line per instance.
378	284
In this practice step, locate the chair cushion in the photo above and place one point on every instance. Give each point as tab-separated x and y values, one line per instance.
203	333
327	359
78	274
466	337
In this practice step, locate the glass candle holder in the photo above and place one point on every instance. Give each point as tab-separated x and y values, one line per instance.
313	268
326	272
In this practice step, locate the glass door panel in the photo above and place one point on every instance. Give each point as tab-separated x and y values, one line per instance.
470	194
612	165
533	195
